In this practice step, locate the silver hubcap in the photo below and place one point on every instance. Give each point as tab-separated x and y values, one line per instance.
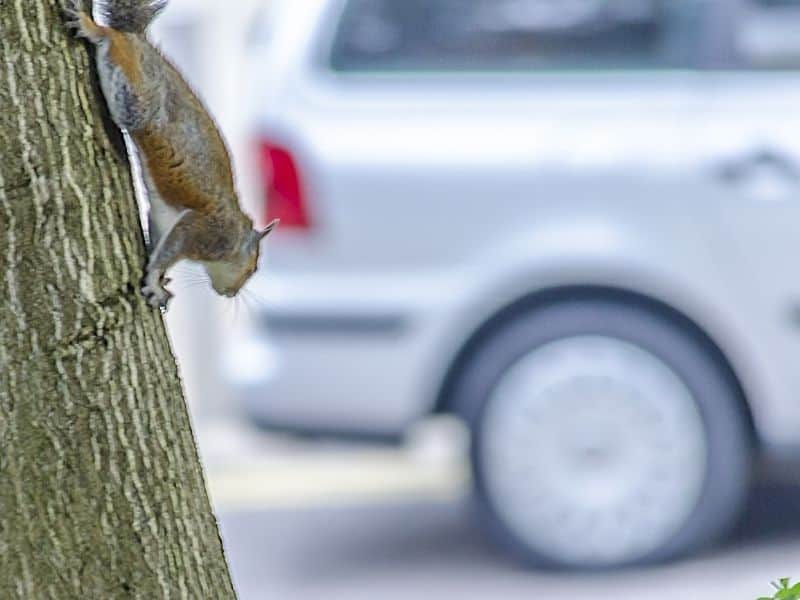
593	450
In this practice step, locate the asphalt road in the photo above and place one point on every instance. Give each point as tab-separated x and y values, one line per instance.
403	550
318	521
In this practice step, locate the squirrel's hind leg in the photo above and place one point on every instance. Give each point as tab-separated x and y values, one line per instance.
82	24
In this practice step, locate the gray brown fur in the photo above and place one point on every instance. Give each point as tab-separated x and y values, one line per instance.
130	16
195	212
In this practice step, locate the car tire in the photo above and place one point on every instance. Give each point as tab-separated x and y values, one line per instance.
605	433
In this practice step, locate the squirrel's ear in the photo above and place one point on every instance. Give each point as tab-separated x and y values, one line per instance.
269	229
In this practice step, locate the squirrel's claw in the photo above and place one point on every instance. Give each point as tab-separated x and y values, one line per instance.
155	293
157	297
72	20
81	23
72	14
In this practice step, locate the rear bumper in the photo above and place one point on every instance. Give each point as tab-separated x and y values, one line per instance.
337	357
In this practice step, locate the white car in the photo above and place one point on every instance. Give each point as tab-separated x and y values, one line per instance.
575	224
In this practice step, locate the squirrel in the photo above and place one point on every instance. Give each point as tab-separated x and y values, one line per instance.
194	208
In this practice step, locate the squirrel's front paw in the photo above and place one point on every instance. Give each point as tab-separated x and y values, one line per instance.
155	293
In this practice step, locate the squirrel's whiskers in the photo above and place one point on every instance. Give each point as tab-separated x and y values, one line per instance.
183	275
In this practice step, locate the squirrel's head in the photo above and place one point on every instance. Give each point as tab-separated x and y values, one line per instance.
228	277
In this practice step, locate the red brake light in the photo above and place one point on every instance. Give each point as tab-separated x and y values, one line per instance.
285	198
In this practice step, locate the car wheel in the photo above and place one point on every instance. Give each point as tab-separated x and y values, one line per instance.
604	434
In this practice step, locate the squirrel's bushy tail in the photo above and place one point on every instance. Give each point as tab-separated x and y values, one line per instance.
132	16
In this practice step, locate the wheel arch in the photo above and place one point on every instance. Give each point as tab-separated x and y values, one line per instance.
447	403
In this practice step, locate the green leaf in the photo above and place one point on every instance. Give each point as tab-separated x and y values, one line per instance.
783	591
788	594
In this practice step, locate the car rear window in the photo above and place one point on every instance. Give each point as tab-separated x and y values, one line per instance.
458	35
766	35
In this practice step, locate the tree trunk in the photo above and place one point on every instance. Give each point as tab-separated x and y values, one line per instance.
101	490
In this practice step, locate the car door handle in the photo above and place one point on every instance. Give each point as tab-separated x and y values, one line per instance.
756	163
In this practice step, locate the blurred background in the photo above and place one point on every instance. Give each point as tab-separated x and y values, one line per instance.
531	323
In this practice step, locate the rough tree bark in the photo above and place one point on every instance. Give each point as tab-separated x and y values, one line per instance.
101	490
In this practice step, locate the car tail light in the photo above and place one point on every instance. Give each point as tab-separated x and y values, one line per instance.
285	196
